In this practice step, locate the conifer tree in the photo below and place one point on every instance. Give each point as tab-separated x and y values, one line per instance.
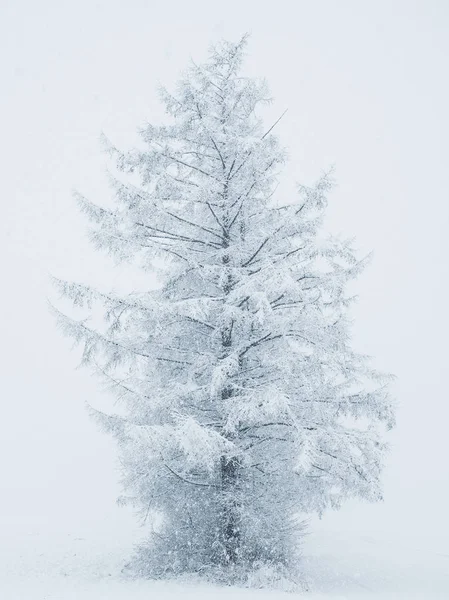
244	406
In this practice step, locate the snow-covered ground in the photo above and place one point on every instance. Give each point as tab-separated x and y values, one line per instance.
38	563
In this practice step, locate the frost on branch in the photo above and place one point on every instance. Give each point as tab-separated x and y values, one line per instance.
243	406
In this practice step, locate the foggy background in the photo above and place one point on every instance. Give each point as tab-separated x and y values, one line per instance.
366	87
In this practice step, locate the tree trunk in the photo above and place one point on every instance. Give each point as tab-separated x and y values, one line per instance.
229	466
230	519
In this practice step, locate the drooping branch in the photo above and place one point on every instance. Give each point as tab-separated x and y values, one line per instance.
193	167
79	330
184	480
203	228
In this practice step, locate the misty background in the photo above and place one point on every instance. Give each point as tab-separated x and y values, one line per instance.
366	87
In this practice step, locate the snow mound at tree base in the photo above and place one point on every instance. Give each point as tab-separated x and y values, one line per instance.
260	576
151	562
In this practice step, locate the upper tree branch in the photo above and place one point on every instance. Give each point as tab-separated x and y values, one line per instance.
274	124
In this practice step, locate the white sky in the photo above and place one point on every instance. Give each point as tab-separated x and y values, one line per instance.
366	85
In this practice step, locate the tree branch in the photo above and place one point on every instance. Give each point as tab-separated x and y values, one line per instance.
250	260
274	125
211	231
188	480
217	219
181	162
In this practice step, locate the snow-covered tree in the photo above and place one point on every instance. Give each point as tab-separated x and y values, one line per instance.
244	406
